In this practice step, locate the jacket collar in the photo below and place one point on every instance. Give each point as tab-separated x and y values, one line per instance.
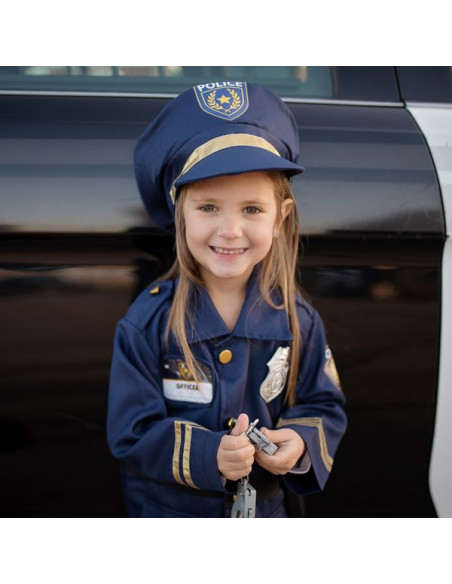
257	319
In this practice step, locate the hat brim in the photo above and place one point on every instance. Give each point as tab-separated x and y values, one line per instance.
237	160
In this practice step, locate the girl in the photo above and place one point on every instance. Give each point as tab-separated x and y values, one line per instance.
225	334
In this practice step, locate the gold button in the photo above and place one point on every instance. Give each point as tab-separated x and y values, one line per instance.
155	290
225	356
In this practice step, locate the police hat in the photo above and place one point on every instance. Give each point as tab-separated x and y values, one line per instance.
211	130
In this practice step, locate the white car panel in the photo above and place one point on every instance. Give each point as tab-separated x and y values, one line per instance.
435	122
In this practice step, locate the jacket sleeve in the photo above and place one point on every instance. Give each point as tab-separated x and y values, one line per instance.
318	415
139	433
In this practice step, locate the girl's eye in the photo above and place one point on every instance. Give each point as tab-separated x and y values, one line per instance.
207	208
251	210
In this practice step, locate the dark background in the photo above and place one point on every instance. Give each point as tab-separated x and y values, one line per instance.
76	247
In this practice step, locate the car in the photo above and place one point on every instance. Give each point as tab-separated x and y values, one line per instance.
76	247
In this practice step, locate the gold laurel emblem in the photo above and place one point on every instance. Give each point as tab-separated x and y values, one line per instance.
184	371
216	104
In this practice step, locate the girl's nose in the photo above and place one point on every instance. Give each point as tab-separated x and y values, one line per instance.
230	227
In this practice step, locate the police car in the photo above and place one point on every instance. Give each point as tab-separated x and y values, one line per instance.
77	247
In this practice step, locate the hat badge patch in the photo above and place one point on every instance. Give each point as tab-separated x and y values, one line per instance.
225	99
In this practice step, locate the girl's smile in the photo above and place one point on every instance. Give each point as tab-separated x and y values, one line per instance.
229	252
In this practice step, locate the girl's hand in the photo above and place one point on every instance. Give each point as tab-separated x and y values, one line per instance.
235	455
290	448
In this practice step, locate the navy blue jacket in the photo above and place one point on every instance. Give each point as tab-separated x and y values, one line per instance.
166	430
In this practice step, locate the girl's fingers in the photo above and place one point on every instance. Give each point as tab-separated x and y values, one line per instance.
241	425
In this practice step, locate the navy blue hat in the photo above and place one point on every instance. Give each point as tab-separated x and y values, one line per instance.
211	130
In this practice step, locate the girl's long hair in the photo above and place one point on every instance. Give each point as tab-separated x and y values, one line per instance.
277	276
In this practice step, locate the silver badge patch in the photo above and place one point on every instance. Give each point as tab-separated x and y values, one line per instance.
275	381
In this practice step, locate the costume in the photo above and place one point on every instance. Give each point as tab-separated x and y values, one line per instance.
167	431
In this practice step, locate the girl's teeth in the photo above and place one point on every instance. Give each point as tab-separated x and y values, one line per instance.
228	251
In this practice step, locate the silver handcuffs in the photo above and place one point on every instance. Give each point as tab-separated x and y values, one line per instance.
245	499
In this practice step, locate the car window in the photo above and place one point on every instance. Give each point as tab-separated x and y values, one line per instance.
298	81
364	83
426	84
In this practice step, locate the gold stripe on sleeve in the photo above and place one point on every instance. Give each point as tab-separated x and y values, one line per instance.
186	457
176	453
188	426
312	423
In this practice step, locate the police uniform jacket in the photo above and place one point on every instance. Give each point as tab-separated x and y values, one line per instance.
166	430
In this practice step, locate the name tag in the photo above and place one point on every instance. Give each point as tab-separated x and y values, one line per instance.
188	391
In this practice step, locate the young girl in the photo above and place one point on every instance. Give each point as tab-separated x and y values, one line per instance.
225	335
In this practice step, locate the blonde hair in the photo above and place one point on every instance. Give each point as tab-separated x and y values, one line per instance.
277	275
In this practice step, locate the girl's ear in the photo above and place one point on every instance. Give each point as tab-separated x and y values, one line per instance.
286	207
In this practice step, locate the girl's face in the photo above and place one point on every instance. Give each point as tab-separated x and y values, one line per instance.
230	223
